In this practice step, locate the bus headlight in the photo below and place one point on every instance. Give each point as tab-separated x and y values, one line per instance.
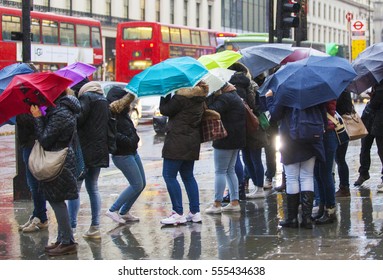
139	64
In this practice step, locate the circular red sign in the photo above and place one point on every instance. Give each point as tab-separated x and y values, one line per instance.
358	25
349	16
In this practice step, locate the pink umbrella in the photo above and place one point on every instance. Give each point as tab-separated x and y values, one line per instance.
301	53
76	72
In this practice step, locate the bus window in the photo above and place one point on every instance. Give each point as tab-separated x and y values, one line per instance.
185	36
50	32
137	33
212	39
205	38
196	39
10	24
35	30
82	35
96	37
175	36
165	34
67	34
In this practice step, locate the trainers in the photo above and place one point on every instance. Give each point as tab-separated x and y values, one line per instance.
256	194
92	233
361	179
195	218
380	188
231	208
129	217
213	210
26	224
268	184
342	193
115	217
174	219
36	225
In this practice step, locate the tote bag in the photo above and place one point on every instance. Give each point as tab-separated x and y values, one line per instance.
340	129
354	126
212	127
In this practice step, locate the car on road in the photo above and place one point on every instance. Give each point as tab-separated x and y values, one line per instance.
151	113
135	107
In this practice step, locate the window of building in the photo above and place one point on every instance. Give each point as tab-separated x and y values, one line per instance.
195	35
158	10
197	13
10	24
142	8
35	30
185	36
324	11
245	18
50	32
185	12
88	8
334	14
313	8
126	8
82	36
175	36
66	34
210	14
319	11
172	11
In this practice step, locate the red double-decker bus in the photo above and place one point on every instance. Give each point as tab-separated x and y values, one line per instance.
56	40
142	44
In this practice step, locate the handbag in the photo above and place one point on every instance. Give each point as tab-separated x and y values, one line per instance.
211	126
340	128
252	122
263	121
354	126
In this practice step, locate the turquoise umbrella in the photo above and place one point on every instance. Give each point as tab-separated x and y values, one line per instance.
167	76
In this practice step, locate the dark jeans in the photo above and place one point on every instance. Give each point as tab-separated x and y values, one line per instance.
253	161
343	171
365	153
39	202
270	151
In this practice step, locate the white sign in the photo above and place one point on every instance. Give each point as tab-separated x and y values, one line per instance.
358	25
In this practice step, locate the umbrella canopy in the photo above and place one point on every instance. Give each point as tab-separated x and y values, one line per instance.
220	59
301	53
310	81
76	72
36	88
222	73
8	72
369	67
167	76
264	57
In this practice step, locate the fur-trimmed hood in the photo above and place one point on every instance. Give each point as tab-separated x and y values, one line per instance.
92	87
198	90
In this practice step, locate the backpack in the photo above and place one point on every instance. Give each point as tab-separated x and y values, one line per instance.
307	125
112	132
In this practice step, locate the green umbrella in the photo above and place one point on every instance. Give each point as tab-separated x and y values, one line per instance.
219	60
332	49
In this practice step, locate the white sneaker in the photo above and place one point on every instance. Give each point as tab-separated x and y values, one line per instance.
115	217
231	208
213	210
174	219
257	193
380	188
195	218
129	217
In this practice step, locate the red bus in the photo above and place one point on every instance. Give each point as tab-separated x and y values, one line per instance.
141	44
57	40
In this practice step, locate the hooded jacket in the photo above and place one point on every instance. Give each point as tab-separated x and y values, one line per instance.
185	110
55	132
93	125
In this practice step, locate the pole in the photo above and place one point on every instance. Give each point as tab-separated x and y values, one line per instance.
271	21
20	187
279	21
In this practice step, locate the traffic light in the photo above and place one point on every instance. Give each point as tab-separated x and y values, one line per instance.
287	17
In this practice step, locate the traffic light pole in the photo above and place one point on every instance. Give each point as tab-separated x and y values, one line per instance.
279	21
271	21
20	186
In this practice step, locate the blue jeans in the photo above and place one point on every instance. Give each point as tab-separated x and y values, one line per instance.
343	171
39	202
170	170
224	163
323	174
253	161
300	176
64	231
133	170
91	184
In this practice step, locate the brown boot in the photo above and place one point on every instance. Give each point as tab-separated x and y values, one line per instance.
63	249
343	192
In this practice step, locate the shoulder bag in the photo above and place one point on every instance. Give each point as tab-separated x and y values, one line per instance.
211	126
340	128
252	122
354	126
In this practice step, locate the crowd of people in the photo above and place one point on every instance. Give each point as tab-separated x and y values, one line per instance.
84	111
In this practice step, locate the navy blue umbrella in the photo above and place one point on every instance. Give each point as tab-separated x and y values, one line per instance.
309	81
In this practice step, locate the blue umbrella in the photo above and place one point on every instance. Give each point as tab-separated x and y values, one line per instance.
264	57
167	76
6	76
309	81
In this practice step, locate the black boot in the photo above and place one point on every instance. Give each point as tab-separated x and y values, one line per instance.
292	211
328	217
319	213
242	192
307	208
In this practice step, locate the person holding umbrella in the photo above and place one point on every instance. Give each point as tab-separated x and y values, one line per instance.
181	149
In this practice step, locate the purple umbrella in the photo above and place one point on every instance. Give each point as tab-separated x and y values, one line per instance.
76	72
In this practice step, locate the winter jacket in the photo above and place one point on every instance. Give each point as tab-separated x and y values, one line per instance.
376	104
293	151
344	104
93	127
54	132
232	111
183	135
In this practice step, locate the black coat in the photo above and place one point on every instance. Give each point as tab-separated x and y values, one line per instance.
93	129
376	104
183	135
54	132
232	111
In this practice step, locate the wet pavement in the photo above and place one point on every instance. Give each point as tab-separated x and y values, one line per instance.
251	234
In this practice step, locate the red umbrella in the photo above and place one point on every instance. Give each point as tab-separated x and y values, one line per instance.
301	53
40	89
